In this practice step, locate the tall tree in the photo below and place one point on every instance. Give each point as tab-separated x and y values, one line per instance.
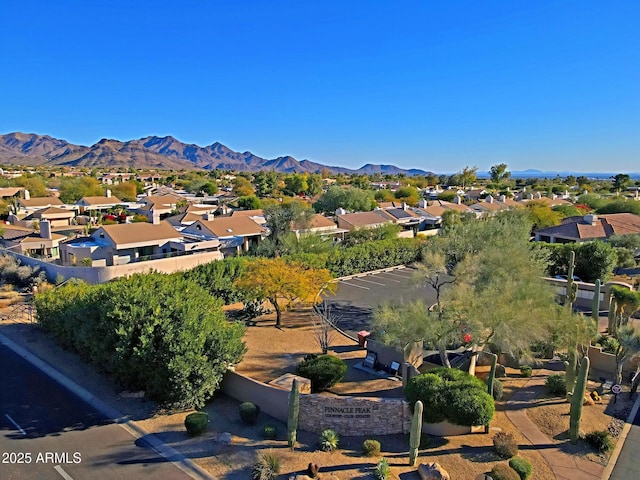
468	176
620	182
499	172
352	199
282	282
281	217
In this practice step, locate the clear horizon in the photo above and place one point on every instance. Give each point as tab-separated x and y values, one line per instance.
551	87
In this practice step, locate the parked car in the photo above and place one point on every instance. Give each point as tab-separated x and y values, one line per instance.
565	277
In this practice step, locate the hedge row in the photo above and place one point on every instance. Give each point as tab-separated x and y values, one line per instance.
159	333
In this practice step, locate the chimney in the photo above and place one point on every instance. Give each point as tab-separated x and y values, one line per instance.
108	193
45	229
502	198
530	196
208	217
538	195
404	206
423	203
591	219
155	218
457	200
27	195
340	211
553	196
489	199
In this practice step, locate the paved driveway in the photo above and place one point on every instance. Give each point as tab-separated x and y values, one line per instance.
356	298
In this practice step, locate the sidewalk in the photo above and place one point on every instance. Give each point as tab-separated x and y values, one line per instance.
564	466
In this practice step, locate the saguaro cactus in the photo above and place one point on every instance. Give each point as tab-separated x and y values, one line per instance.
490	380
595	303
294	410
578	400
416	433
572	288
570	374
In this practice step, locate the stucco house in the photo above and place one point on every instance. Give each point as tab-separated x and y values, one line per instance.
28	241
235	234
590	227
126	243
105	202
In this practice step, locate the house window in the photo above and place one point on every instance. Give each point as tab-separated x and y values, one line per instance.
198	227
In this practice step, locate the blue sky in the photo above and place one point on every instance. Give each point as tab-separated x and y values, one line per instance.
436	85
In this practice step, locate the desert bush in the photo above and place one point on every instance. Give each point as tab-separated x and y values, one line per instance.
383	471
505	444
324	371
525	371
22	276
249	412
267	467
556	384
608	343
329	440
502	471
130	327
497	389
371	448
600	440
196	423
522	467
269	432
452	395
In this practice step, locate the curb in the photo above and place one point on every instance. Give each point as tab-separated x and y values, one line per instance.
608	470
169	453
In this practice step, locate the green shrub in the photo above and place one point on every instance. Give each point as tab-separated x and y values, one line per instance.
522	467
452	395
249	412
196	423
525	371
502	471
600	440
556	384
269	432
329	440
371	448
497	389
505	444
267	467
383	471
131	326
324	371
608	343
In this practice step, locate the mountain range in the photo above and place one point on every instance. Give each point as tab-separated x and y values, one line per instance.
163	153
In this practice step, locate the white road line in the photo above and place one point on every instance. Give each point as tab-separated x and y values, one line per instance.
15	424
394	275
369	281
390	279
354	285
62	473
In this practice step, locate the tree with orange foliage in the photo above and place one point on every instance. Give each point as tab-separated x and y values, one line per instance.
282	282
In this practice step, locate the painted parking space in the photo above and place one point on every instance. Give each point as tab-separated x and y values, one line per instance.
357	297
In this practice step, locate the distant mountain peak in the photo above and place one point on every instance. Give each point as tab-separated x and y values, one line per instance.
162	152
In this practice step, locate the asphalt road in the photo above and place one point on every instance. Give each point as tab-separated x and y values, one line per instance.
357	298
49	433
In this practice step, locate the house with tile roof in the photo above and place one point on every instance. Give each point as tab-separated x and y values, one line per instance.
255	215
590	227
319	225
29	241
236	234
373	219
124	243
86	204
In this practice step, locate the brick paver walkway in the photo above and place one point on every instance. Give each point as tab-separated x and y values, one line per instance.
564	466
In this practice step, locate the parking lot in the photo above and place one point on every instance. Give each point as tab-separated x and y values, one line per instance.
358	296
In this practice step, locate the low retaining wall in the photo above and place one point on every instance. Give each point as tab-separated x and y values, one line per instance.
606	363
96	275
345	415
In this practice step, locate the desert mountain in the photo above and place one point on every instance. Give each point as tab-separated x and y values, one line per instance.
157	152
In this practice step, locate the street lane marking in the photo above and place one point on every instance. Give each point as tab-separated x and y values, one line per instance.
15	424
369	281
62	473
354	285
